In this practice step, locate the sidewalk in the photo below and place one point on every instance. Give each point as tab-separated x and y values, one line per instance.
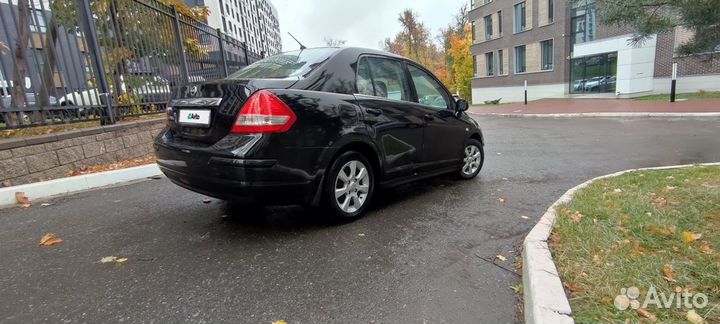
585	106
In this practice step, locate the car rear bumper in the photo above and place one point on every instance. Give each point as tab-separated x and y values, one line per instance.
263	180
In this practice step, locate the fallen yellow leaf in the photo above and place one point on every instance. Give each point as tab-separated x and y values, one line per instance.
279	322
668	273
121	260
49	239
660	230
645	313
707	250
108	259
691	237
576	217
501	258
660	201
694	318
23	200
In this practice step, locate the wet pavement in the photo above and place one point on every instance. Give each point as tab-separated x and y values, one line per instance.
423	254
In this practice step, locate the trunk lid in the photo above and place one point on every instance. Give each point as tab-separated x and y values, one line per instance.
205	112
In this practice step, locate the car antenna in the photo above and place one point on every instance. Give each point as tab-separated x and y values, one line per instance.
302	47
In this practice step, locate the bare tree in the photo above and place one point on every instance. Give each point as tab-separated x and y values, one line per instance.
332	42
18	90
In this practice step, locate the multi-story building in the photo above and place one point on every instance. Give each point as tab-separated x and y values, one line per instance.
253	21
562	49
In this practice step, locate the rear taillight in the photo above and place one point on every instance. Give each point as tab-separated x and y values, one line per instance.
264	113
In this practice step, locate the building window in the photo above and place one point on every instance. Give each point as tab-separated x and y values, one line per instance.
546	51
472	24
520	17
488	28
475	74
551	11
582	23
520	59
490	64
37	21
500	23
501	68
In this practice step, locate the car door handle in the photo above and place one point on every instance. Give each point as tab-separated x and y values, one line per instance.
429	116
373	111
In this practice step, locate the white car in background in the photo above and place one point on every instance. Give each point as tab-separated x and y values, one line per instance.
156	89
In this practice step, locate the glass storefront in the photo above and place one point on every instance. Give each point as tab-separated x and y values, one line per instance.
594	74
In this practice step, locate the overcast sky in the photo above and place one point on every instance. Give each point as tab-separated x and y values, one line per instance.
362	23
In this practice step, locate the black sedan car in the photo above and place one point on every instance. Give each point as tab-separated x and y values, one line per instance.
322	126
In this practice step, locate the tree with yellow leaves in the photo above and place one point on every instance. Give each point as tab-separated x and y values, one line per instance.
462	63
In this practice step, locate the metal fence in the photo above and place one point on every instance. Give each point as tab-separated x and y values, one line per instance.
77	60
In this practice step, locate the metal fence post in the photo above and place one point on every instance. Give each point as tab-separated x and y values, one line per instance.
88	27
180	46
222	52
245	50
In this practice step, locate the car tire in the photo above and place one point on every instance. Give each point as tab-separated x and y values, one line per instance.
473	157
349	186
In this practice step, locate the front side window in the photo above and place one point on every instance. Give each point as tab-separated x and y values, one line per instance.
490	62
488	28
520	17
546	49
429	91
388	79
520	59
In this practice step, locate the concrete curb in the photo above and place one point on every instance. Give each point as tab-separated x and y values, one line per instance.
69	185
544	295
603	114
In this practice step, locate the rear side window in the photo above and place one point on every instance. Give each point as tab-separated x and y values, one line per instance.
386	79
429	91
364	80
293	64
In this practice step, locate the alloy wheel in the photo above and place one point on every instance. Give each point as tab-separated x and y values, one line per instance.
472	160
352	186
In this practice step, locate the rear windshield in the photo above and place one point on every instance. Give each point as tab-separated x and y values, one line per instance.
286	65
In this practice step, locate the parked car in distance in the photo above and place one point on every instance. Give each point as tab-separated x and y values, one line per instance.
322	126
594	84
30	100
579	85
152	89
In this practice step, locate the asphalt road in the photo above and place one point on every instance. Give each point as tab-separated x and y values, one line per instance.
422	255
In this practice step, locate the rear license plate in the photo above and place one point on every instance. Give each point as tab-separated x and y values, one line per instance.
194	117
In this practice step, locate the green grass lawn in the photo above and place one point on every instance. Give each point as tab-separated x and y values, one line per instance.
688	96
643	229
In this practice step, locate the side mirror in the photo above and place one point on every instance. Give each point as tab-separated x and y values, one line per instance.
461	105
